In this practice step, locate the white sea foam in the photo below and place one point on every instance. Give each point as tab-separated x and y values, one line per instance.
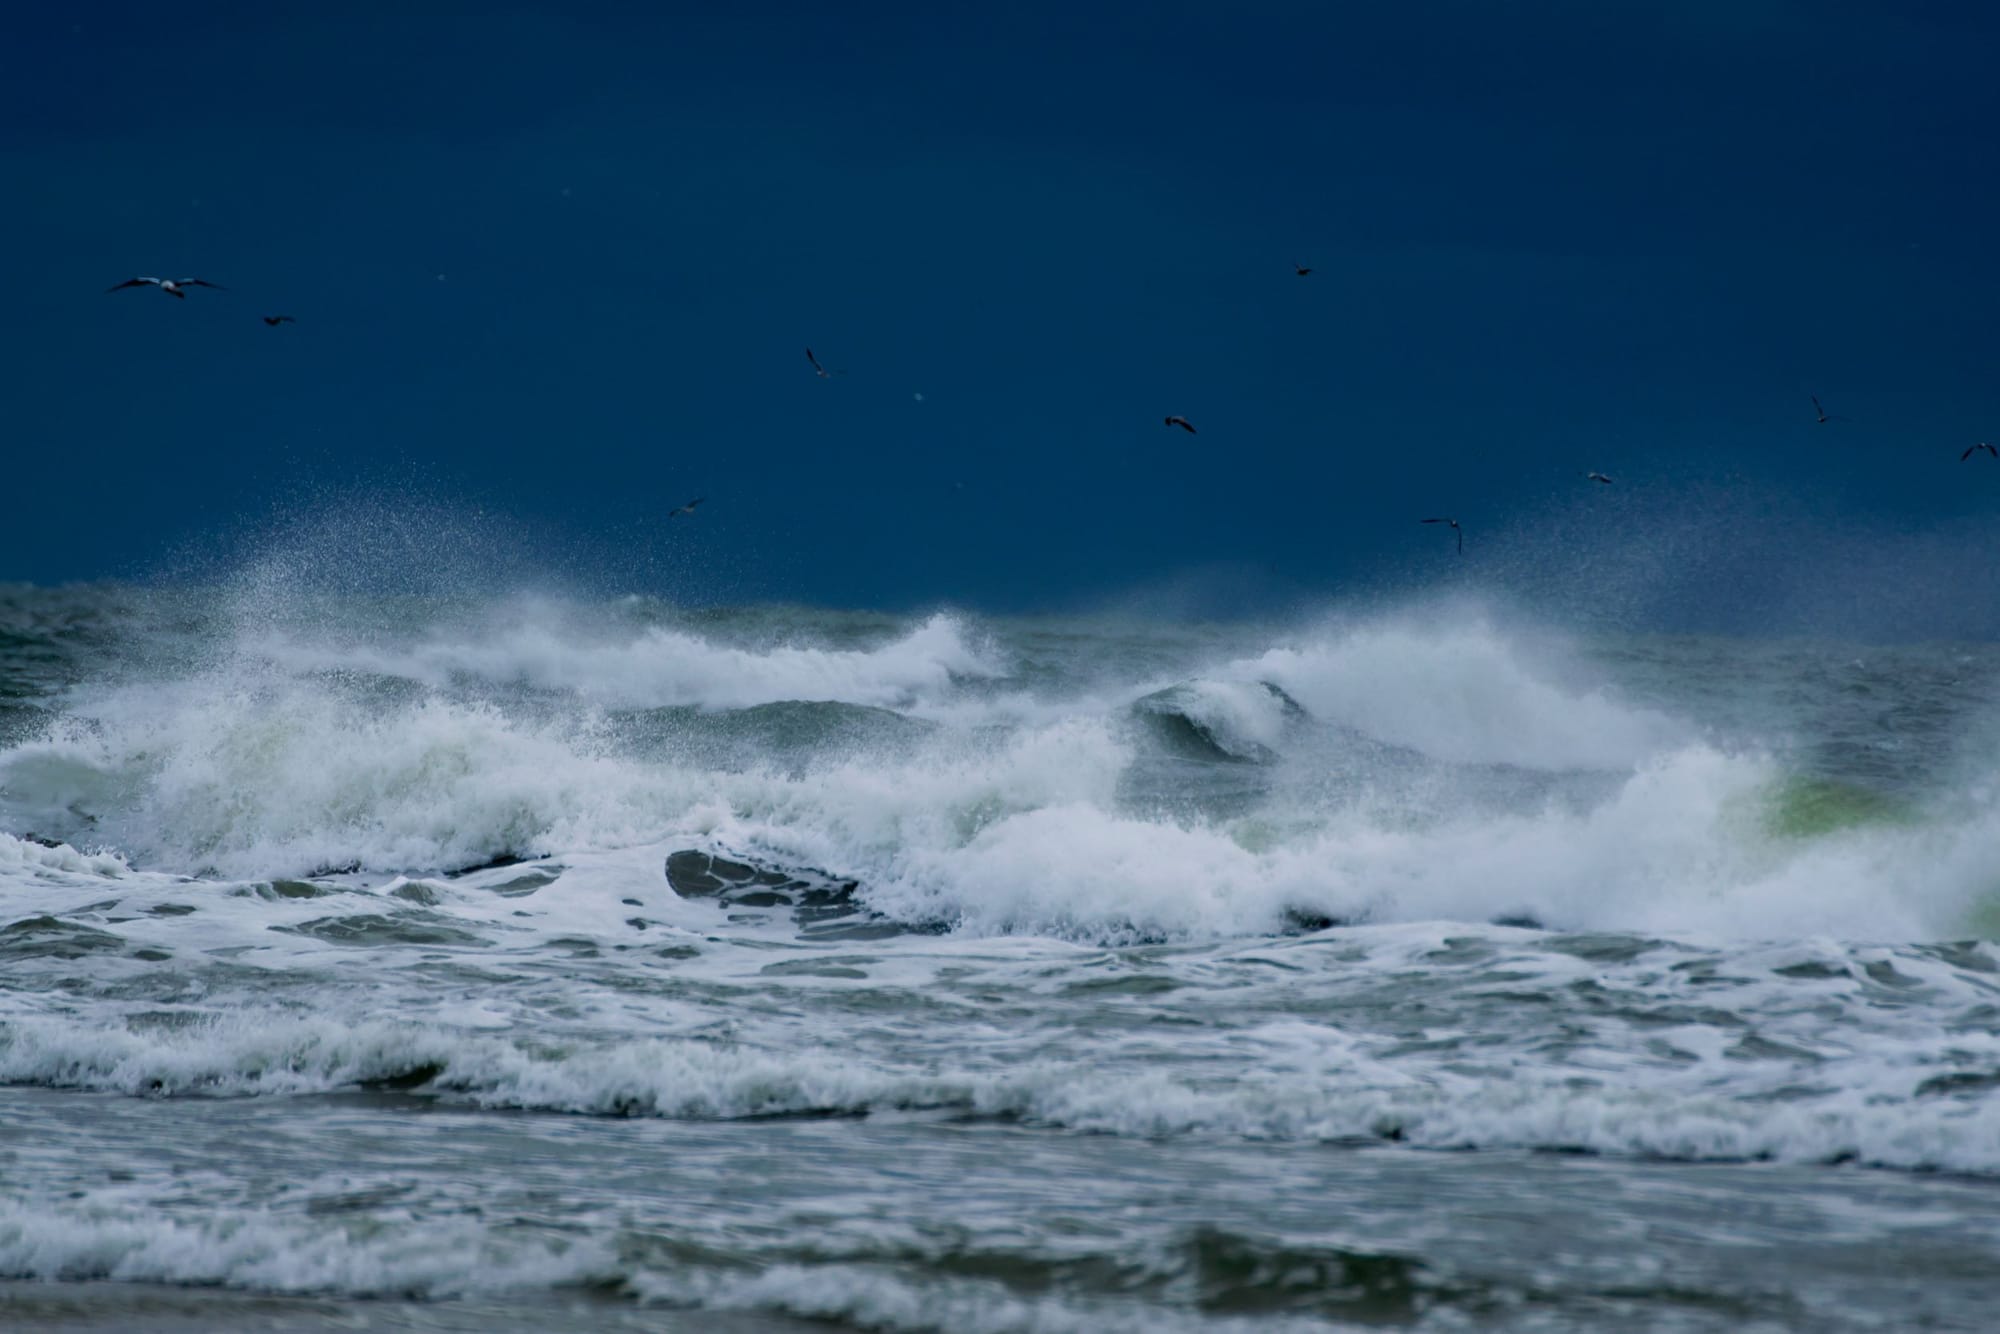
264	1251
1431	777
286	780
1680	847
33	859
121	1236
1324	1091
256	768
873	1297
1023	833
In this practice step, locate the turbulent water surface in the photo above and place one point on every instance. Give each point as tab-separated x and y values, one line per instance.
527	963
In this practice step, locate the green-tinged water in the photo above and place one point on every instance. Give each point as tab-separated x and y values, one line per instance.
1802	807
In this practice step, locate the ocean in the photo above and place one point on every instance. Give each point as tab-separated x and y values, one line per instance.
489	960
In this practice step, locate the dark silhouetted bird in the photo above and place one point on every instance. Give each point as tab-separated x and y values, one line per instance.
1454	527
171	286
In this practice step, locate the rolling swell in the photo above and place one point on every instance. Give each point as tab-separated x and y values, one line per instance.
1218	721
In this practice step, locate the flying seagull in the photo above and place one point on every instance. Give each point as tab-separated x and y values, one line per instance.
819	370
685	509
1822	418
1597	477
1183	423
1976	448
275	320
1454	527
1300	269
171	286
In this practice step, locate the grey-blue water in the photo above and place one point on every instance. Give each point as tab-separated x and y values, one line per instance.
516	962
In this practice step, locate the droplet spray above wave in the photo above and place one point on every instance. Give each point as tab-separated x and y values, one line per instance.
661	666
1461	692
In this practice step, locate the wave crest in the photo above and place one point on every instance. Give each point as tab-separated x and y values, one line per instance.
1463	693
1350	1098
662	666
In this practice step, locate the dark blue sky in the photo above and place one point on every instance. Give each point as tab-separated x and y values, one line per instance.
559	263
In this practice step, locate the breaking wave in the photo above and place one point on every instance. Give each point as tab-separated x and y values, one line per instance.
1345	1096
1380	772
